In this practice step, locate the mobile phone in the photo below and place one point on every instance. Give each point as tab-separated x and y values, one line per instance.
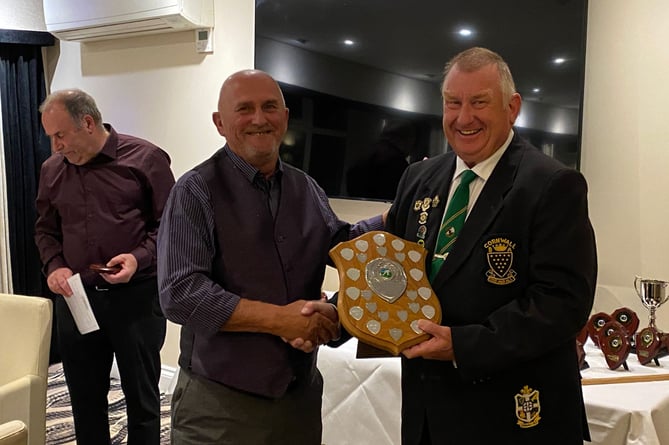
101	268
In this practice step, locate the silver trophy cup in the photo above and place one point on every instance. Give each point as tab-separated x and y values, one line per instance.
652	294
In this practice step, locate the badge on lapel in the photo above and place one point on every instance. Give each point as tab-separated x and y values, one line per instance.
423	206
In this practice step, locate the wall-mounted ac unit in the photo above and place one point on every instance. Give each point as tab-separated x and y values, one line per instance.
85	20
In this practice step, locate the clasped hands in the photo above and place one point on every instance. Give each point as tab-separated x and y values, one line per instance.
322	326
310	323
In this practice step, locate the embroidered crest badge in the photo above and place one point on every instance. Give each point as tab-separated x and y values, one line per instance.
500	259
528	407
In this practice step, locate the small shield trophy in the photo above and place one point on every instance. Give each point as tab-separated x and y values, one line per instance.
650	341
384	290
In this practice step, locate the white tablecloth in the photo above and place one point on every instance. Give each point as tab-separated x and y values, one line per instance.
362	400
626	413
361	397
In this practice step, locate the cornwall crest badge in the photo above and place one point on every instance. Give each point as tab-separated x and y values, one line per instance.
499	253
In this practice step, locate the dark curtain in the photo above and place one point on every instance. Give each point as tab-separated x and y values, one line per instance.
22	89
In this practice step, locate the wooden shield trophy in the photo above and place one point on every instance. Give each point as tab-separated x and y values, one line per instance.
384	290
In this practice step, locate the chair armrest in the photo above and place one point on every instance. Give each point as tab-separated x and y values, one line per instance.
15	399
24	399
13	432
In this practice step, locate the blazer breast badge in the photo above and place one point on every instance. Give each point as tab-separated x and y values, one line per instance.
499	252
528	407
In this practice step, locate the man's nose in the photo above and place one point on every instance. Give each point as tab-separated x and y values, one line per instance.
259	116
465	114
56	146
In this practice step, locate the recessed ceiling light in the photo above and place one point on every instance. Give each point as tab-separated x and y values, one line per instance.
536	90
465	32
349	42
559	60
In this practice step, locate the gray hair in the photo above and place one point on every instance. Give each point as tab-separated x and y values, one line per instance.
77	103
475	58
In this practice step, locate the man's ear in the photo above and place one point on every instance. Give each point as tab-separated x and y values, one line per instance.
89	123
514	107
218	122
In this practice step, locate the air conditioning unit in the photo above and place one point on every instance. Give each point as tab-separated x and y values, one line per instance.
86	20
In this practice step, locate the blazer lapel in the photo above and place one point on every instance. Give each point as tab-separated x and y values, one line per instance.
437	185
488	205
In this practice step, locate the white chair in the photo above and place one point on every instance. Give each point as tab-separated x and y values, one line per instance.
13	433
25	335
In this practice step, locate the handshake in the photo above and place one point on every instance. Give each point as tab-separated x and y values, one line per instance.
308	324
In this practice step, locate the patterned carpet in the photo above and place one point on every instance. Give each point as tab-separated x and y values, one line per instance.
59	423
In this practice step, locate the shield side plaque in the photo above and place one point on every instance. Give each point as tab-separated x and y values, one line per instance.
384	290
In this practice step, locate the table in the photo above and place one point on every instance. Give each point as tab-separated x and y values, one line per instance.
362	400
628	412
361	397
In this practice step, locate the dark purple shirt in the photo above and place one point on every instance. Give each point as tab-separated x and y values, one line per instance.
108	206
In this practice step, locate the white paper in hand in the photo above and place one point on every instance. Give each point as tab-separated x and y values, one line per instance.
80	307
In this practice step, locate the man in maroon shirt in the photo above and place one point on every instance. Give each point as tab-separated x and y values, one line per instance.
100	199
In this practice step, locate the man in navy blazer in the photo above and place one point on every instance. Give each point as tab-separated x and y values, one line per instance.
516	287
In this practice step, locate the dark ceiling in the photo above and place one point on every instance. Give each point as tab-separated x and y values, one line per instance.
415	38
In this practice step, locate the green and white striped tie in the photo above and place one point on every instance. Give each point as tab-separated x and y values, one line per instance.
452	222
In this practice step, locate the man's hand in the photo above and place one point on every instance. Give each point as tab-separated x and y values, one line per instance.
128	264
57	281
309	323
439	347
309	309
287	322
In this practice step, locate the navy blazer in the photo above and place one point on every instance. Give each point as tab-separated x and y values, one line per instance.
515	289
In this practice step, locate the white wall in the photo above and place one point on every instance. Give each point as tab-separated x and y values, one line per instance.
625	149
157	86
625	154
22	14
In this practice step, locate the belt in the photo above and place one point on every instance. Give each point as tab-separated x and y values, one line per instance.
108	286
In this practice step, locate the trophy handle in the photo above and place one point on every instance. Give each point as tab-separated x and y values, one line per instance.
636	285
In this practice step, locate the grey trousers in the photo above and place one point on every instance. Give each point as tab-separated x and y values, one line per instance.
205	412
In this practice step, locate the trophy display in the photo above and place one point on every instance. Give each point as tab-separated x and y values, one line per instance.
595	324
384	290
650	342
627	318
613	334
615	344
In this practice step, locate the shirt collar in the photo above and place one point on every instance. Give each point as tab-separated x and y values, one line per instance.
249	171
484	168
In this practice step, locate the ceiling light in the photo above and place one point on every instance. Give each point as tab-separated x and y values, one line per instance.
348	42
536	90
559	60
465	32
